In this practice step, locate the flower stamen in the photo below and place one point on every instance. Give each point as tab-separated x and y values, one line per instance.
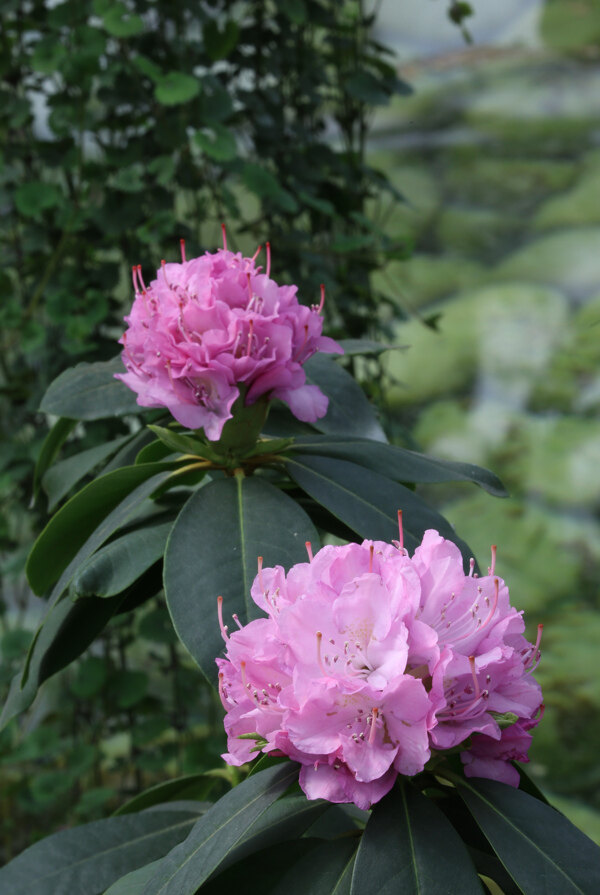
222	626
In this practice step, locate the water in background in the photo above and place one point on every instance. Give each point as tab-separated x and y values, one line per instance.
498	155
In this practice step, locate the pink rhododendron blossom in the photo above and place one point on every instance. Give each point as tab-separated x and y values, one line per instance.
206	327
369	660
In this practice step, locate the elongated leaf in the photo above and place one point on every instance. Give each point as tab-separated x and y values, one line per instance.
129	453
117	565
326	870
540	848
188	865
90	392
397	463
51	446
349	412
287	818
82	515
67	630
212	551
184	444
192	786
408	846
368	502
61	477
87	859
133	883
258	873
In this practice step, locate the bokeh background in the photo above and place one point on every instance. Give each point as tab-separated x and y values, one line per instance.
460	221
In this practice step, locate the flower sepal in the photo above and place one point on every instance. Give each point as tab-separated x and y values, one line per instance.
241	433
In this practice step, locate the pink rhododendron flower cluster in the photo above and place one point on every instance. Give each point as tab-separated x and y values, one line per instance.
205	327
368	661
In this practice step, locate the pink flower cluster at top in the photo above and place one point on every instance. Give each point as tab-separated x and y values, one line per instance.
369	660
206	326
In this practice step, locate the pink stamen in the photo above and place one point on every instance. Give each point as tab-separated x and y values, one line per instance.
371	549
298	354
308	546
474	673
541	710
224	232
492	568
489	617
540	629
375	714
236	620
140	277
322	302
134	279
400	530
257	253
222	690
268	248
182	245
260	576
223	627
471	567
163	264
319	659
250	335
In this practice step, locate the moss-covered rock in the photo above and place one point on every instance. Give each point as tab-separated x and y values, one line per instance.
568	260
579	206
479	232
422	279
503	333
570	24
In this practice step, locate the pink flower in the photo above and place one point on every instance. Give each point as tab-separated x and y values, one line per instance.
489	757
207	327
368	660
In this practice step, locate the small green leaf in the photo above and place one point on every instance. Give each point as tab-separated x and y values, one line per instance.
148	68
220	42
183	444
33	198
127	687
92	674
325	870
265	185
176	88
217	142
294	10
120	22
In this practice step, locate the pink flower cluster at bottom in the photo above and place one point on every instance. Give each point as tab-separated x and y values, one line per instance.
369	661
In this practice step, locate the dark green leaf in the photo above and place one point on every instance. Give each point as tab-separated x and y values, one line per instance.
134	883
119	22
184	444
212	551
116	566
90	392
215	835
325	870
287	818
50	448
295	10
397	463
368	502
92	674
408	846
539	847
219	43
87	517
265	185
61	477
192	786
349	412
88	859
176	88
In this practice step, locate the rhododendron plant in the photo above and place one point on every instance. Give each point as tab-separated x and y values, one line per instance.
207	329
369	662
